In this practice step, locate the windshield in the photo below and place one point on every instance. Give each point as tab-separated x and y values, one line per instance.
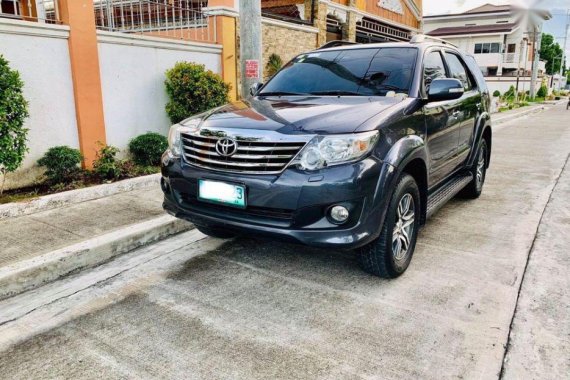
364	72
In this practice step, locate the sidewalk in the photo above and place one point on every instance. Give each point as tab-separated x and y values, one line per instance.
43	246
539	343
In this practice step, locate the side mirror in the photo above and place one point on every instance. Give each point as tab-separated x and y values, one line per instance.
255	88
445	89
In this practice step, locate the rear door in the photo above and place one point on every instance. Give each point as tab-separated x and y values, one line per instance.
470	103
443	121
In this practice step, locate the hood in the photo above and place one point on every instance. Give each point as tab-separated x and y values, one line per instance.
292	115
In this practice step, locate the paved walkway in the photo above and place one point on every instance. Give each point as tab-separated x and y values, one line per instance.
539	345
28	236
248	309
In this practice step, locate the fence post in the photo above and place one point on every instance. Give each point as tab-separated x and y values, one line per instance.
80	17
223	17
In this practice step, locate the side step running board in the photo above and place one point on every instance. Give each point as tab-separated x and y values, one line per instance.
446	192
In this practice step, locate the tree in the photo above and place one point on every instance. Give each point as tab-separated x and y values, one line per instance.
551	52
13	112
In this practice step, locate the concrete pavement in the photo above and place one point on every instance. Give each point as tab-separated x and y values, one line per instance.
539	345
76	236
190	307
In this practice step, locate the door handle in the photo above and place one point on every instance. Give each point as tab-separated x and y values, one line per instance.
455	114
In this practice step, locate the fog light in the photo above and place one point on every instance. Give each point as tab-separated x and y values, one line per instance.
339	214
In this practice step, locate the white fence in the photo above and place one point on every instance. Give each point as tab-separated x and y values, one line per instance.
40	53
132	75
132	71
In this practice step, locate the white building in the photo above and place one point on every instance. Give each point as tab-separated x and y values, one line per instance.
500	37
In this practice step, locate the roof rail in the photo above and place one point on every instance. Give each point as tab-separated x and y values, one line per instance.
336	43
419	38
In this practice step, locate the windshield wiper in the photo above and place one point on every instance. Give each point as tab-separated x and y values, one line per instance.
391	87
336	92
280	93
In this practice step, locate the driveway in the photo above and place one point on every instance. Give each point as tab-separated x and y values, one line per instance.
197	308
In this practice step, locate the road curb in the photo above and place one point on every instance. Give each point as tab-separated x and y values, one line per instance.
29	274
48	202
506	119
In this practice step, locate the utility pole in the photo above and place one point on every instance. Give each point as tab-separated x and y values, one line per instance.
536	36
250	44
563	59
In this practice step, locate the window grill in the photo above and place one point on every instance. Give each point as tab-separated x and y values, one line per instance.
45	11
376	30
169	18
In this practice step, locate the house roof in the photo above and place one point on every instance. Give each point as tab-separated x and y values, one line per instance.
490	8
474	29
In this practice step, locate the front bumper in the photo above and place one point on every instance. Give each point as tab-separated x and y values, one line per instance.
292	206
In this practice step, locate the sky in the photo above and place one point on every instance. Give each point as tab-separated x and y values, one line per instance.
555	26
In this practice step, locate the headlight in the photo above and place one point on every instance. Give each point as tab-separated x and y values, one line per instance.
323	151
174	139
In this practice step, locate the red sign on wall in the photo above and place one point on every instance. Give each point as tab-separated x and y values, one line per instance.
252	68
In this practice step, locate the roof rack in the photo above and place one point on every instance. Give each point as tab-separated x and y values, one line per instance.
419	38
336	43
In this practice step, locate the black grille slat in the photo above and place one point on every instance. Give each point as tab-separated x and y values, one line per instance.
251	157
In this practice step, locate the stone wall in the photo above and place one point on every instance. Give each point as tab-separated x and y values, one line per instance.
286	40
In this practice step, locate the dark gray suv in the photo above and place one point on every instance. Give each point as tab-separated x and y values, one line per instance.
350	147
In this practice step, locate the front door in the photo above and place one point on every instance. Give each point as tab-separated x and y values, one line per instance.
443	121
470	102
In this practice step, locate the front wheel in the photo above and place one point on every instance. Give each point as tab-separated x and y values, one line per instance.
390	255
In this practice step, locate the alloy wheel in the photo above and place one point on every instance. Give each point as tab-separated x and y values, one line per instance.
403	227
481	168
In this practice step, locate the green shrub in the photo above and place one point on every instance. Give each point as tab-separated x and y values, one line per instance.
13	112
61	163
510	94
193	89
148	148
542	92
496	93
274	64
106	164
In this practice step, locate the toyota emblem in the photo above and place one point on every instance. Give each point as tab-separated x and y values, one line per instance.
226	147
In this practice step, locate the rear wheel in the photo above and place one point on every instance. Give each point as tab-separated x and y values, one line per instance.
390	255
216	232
479	171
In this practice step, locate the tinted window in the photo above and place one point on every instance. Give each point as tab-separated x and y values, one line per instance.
457	70
475	70
358	71
433	68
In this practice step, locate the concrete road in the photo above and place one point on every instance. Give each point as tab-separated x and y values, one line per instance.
200	308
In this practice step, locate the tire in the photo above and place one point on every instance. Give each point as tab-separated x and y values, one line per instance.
479	171
382	257
216	232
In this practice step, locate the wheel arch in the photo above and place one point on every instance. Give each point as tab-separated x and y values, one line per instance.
488	137
482	131
409	156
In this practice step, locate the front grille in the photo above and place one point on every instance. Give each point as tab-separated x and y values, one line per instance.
256	157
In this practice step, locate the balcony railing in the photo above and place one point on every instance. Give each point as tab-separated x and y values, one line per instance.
181	19
46	11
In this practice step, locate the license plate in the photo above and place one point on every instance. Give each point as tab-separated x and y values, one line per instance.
221	192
